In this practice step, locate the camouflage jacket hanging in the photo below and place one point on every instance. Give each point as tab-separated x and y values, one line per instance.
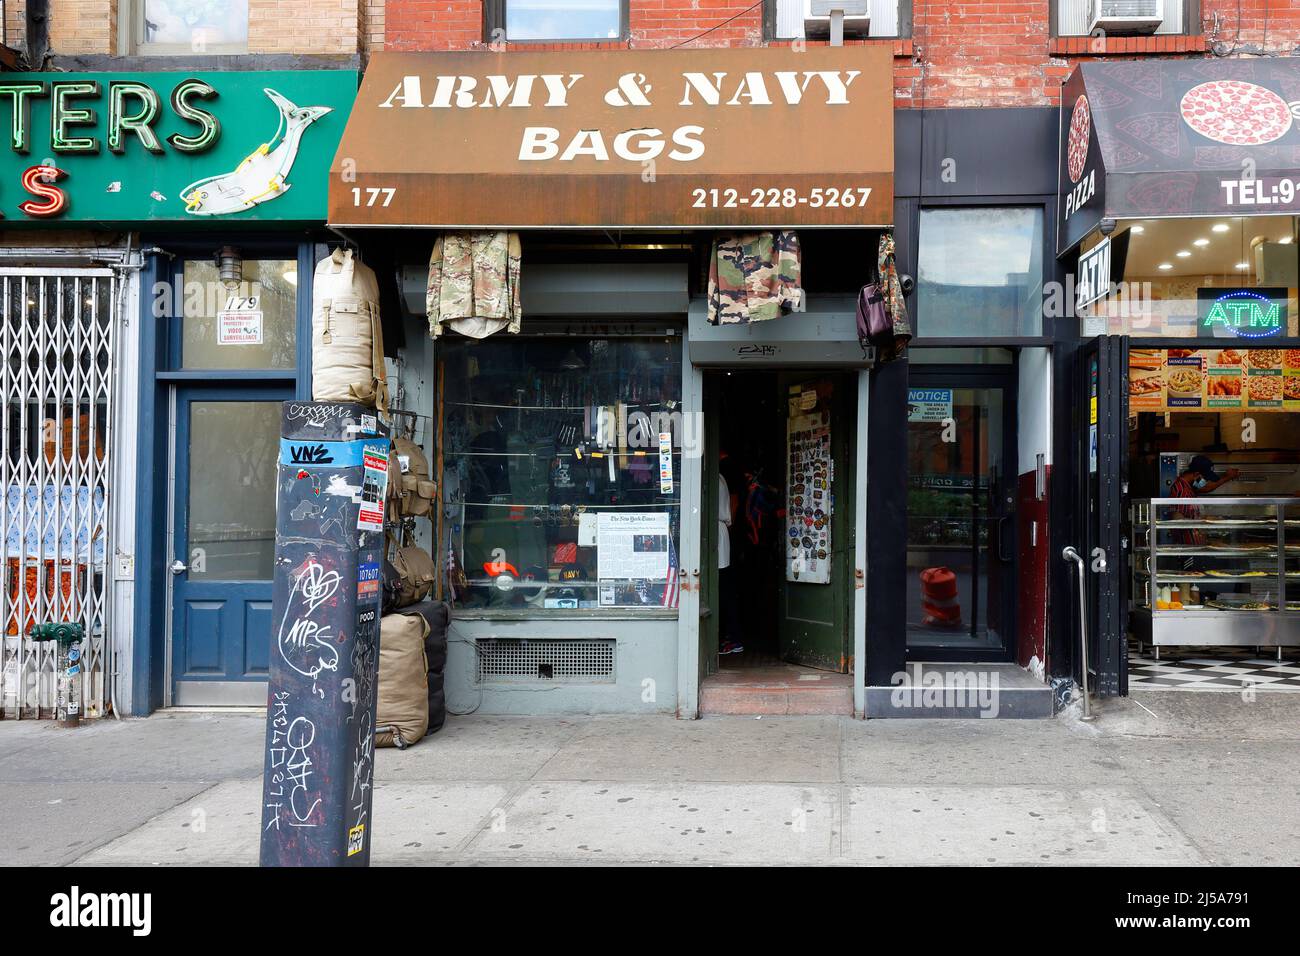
753	277
895	305
474	283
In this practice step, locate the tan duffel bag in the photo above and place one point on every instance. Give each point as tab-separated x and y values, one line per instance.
347	341
402	715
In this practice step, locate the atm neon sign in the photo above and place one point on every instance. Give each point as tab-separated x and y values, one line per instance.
1244	313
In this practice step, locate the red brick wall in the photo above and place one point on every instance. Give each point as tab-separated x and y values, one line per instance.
962	52
1280	18
433	24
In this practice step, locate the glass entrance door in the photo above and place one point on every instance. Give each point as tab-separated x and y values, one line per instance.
227	449
961	531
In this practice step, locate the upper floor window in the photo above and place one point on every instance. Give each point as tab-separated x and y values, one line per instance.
793	19
980	272
187	27
542	20
1126	17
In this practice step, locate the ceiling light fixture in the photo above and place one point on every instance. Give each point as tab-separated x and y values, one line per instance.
1137	229
1182	253
1201	242
1243	266
1165	265
1220	227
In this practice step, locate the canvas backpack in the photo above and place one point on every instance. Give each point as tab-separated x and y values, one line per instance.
409	486
415	573
347	341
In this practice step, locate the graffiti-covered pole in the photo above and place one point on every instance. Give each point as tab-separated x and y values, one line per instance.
319	761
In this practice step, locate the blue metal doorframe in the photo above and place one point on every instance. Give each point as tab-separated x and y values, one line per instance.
181	542
164	256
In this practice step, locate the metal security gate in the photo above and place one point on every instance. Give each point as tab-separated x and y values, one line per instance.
56	385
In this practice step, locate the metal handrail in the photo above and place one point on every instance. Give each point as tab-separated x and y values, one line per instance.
1070	554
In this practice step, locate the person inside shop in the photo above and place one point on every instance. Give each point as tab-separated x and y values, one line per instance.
1200	478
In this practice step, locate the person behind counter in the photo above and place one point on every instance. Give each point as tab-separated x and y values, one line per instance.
1198	479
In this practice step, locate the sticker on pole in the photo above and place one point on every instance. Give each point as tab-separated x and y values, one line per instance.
356	839
374	487
368	575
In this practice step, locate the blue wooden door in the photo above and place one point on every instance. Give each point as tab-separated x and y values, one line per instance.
223	516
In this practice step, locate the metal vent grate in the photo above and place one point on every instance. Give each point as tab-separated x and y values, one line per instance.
565	661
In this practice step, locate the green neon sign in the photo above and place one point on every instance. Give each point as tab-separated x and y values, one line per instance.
1245	313
181	147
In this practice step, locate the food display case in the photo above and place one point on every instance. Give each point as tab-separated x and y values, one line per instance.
1216	571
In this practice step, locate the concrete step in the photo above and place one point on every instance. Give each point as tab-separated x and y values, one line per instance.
981	691
775	690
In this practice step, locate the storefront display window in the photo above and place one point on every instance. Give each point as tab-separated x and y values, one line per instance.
248	324
562	472
1230	278
980	272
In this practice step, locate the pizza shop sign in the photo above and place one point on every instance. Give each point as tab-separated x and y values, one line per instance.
138	147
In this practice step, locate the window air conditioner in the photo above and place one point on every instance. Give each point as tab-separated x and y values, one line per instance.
817	19
1125	16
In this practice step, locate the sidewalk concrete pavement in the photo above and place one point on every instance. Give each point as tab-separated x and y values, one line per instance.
1160	778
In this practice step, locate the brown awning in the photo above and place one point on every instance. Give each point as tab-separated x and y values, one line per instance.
668	138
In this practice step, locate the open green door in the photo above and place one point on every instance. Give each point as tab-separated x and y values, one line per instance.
708	582
816	599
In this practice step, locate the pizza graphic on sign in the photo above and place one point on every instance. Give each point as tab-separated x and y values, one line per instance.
1076	149
1236	113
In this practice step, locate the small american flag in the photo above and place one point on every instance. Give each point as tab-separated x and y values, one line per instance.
671	585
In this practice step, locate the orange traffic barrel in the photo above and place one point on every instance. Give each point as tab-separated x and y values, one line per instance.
939	597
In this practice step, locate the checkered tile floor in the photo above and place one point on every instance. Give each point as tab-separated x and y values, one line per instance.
1217	668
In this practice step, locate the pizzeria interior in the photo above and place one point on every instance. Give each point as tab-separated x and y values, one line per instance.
1209	306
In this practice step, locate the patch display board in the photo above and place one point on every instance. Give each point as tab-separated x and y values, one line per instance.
808	500
1214	379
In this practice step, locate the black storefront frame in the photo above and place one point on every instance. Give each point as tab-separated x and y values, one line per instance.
1001	157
